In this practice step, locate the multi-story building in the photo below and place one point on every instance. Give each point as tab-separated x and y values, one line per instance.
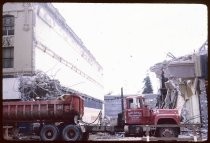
37	38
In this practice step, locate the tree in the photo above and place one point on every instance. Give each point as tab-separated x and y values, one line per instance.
147	85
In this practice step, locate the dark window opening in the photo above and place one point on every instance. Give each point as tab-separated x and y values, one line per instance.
8	24
8	48
8	57
130	102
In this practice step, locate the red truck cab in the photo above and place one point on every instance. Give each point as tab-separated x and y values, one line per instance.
137	114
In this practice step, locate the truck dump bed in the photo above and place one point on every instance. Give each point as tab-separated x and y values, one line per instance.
62	109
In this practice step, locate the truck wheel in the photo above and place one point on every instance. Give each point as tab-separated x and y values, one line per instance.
49	133
71	133
168	132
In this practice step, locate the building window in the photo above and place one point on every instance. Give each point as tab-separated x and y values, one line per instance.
8	41
8	57
8	24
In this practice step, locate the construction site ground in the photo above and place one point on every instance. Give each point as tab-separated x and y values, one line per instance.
117	137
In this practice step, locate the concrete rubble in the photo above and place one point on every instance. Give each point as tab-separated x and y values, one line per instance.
40	86
183	84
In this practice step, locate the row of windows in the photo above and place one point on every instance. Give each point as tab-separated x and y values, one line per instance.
8	48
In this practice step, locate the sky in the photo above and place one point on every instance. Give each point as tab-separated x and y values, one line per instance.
127	39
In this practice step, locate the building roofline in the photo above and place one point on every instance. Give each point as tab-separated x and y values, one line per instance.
55	12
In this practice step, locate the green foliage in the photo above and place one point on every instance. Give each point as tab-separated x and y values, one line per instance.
147	86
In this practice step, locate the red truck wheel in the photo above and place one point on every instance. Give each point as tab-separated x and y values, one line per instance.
71	133
49	133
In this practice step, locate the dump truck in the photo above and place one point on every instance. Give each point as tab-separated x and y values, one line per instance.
58	117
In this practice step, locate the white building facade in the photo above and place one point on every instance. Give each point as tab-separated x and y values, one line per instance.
37	38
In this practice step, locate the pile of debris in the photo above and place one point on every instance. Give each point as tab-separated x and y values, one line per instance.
41	86
183	83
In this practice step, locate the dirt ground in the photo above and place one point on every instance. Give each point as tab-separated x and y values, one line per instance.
92	137
108	137
103	137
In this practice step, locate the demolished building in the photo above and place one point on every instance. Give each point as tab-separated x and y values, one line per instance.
183	85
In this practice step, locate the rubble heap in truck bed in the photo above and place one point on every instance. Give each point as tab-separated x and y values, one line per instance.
41	86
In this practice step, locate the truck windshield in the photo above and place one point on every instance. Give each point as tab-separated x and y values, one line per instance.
150	102
140	102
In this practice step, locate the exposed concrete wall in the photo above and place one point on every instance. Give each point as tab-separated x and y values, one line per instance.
183	72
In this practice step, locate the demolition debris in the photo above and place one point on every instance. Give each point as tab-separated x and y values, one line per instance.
41	86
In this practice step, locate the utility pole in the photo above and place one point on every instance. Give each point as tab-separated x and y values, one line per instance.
122	103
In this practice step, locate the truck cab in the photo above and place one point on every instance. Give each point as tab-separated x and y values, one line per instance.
137	111
137	115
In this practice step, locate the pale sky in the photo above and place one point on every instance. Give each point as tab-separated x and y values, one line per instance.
127	39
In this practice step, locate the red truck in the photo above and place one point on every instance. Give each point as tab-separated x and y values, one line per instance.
137	115
60	118
56	118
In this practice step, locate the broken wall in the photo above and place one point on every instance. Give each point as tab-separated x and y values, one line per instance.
184	76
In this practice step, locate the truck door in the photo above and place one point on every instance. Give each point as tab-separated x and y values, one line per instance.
136	112
133	112
146	117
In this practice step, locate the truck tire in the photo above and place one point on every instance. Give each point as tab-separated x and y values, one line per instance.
168	132
49	133
71	133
